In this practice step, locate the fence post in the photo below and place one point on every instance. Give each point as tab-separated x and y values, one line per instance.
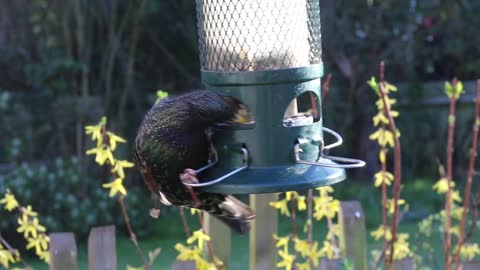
63	251
353	243
471	265
102	246
220	238
404	264
184	265
329	264
262	244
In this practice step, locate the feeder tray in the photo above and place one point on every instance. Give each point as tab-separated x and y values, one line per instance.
267	54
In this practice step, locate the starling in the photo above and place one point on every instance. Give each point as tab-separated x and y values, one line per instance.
174	140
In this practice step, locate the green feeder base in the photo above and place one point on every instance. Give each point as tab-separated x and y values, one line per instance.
276	179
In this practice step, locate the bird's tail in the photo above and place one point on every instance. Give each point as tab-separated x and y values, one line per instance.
235	214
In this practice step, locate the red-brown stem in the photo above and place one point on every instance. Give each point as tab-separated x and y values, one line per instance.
384	201
133	236
184	221
309	217
121	201
333	241
294	228
397	165
468	187
14	252
326	86
211	252
448	195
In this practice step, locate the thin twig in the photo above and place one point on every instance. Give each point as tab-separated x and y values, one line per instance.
184	221
211	252
382	255
121	201
326	86
384	198
448	195
294	229
14	252
397	165
333	241
309	217
133	236
468	187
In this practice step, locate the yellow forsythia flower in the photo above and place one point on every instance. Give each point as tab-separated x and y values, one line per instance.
40	243
325	206
441	186
113	139
186	253
401	248
29	227
390	204
200	237
382	233
383	137
328	250
116	187
315	254
281	241
383	177
9	201
119	166
6	257
282	205
134	268
304	266
302	246
469	251
287	260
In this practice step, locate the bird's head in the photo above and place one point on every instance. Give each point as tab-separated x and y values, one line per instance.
241	114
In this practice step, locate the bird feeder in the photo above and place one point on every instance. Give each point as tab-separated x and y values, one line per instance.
267	54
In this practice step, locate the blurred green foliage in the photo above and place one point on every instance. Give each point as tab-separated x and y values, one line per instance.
63	64
67	200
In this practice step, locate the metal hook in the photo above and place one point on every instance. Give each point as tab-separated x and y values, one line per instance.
220	179
350	162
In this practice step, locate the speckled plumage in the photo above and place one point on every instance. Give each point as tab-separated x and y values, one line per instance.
172	138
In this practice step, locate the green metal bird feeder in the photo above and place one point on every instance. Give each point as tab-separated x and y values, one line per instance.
267	53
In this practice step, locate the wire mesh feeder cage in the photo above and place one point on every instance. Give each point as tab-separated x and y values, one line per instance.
267	53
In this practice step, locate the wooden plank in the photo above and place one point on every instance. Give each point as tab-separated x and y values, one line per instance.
330	264
262	245
472	265
353	242
102	246
220	238
63	251
405	264
184	265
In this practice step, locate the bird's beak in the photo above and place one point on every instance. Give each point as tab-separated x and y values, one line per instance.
242	115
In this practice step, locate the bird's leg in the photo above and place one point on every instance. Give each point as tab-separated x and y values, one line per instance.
213	155
189	176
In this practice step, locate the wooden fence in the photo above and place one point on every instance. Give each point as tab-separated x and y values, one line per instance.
353	243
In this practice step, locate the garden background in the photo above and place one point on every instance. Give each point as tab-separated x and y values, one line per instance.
65	64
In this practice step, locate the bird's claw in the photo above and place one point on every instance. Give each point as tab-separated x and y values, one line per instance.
154	213
189	176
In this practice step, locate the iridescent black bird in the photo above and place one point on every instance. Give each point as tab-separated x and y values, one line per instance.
173	140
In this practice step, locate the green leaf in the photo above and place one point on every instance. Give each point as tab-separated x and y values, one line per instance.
458	88
448	89
373	84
